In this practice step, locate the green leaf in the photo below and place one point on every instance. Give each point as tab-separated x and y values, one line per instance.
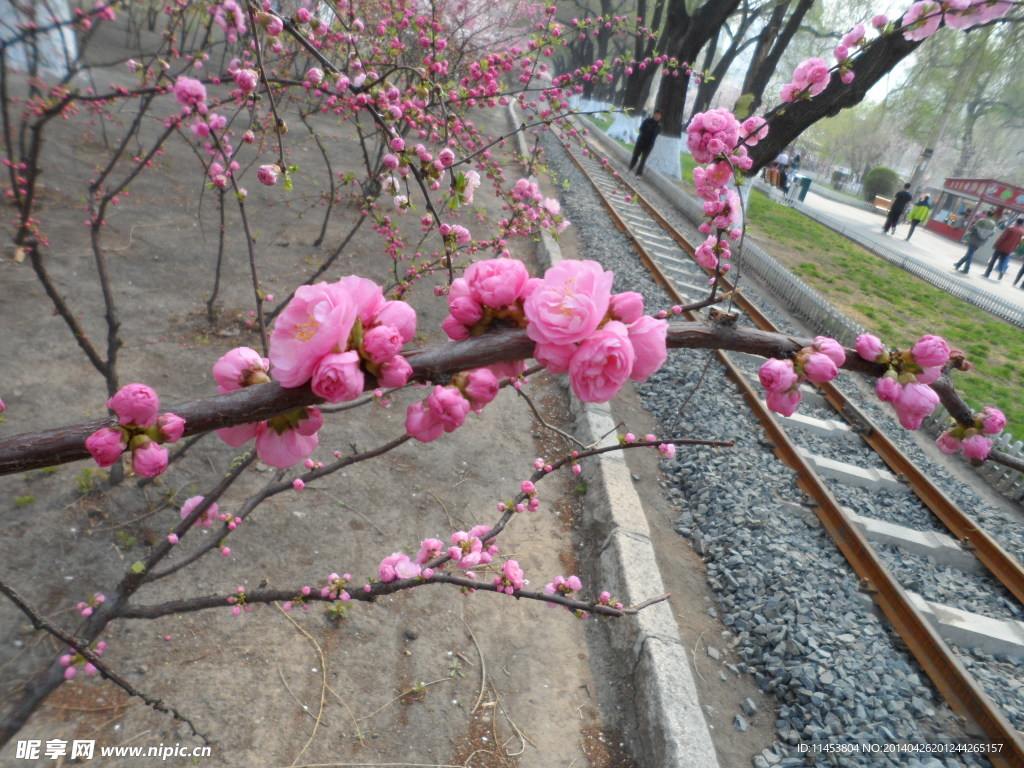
138	567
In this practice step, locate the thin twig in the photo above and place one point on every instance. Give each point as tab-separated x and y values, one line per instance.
82	647
544	424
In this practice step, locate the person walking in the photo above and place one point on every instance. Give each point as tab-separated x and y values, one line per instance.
649	130
1005	245
899	204
980	231
919	213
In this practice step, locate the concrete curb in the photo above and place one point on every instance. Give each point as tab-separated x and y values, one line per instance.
671	730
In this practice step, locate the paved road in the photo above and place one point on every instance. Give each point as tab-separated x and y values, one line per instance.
925	247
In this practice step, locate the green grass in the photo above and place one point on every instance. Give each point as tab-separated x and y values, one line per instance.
896	306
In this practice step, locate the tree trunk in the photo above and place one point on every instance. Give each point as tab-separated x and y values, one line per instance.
770	50
689	36
638	85
790	120
709	85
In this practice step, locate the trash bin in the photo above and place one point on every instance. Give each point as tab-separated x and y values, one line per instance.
805	184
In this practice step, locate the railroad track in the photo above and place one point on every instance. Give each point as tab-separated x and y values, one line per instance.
827	453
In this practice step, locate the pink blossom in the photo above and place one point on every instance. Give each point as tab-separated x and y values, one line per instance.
922	20
189	92
400	316
481	388
395	372
992	420
267	174
148	458
753	129
947	443
422	424
928	375
461	234
879	21
512	576
338	378
398	566
832	348
381	343
241	367
627	307
854	37
135	405
367	296
563	586
784	402
976	446
318	318
106	445
819	368
777	375
315	75
668	450
888	389
602	364
496	283
647	337
870	347
246	80
929	351
171	427
2	406
207	518
449	406
288	439
446	157
464	308
569	303
915	401
555	357
429	549
241	434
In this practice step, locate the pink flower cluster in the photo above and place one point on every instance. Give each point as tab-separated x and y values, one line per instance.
467	550
281	441
470	549
818	363
810	78
905	385
141	428
581	328
229	16
191	94
511	578
73	659
971	440
446	408
336	587
92	603
563	586
333	333
532	209
719	140
924	18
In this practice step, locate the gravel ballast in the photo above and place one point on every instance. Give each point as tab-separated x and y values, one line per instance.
796	615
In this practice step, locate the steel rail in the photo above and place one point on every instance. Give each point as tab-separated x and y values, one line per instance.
950	677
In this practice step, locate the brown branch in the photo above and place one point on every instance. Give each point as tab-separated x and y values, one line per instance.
60	445
379	589
82	647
